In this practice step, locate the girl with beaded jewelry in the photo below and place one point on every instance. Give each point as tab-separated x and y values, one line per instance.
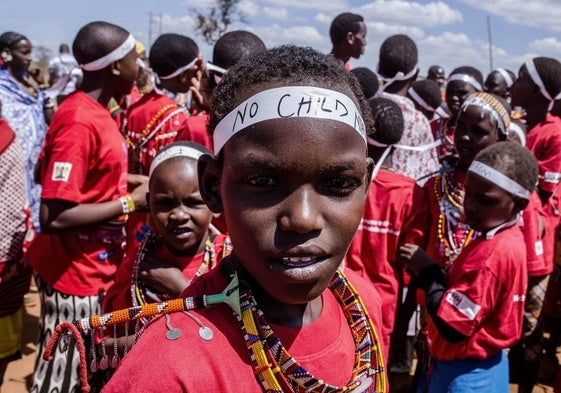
476	307
182	246
290	176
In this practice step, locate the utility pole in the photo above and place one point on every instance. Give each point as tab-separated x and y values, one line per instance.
490	44
155	21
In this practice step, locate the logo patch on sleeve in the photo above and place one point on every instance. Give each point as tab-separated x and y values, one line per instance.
463	304
61	171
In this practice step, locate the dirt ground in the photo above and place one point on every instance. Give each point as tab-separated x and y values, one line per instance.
19	375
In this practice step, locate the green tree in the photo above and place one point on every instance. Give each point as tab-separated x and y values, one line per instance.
215	22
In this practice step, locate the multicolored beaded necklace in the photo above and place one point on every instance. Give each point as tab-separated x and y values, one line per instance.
138	290
451	226
279	372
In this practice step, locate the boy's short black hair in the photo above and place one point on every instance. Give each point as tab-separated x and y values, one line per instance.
97	39
434	70
170	52
280	66
397	53
236	45
343	24
549	70
429	91
512	160
471	71
368	81
388	121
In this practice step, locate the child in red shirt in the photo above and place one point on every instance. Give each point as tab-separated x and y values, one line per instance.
476	307
394	213
290	175
179	249
84	197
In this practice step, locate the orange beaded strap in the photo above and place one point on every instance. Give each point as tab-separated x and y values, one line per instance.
134	148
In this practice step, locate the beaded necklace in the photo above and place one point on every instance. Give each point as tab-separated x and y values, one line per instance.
450	195
134	148
279	372
138	290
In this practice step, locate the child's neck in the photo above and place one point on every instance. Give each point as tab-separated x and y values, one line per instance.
275	311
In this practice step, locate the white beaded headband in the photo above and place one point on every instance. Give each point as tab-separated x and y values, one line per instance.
491	104
180	69
175	151
506	76
534	74
515	128
499	179
113	56
465	78
289	102
419	100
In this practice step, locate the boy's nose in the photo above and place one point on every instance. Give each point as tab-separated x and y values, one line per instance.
301	212
180	213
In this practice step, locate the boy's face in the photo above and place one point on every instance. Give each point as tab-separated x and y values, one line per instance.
474	132
486	205
179	213
21	55
359	41
523	89
456	94
292	192
128	72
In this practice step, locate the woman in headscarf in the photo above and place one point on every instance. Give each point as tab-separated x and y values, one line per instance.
25	106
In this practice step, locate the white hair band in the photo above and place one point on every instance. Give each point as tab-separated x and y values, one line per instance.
506	76
175	151
217	70
289	102
421	148
400	76
499	179
113	56
515	128
531	67
466	78
181	69
419	100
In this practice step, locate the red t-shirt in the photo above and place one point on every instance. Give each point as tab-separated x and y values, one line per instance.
537	265
395	213
84	161
222	365
196	131
485	298
119	294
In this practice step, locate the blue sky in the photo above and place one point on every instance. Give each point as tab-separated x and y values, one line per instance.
449	33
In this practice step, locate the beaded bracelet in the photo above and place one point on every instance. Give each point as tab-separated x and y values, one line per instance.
130	203
124	205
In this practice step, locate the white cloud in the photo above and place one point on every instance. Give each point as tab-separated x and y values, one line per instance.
276	13
550	47
299	35
544	14
249	8
331	5
409	13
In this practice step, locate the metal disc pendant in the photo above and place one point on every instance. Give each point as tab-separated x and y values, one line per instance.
93	366
115	361
206	333
104	363
173	334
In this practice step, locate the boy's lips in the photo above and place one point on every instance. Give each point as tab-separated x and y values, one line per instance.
299	261
180	232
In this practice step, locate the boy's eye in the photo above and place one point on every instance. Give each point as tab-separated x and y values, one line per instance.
342	184
261	181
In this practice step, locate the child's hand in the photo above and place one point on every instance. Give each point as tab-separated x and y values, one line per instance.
201	90
163	278
414	258
139	183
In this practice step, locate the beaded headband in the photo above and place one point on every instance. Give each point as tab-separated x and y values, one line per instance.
534	74
516	129
289	102
117	54
181	69
506	76
175	151
499	179
489	103
465	78
419	100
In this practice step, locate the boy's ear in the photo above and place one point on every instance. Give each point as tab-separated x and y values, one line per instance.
369	171
520	204
115	68
350	38
210	173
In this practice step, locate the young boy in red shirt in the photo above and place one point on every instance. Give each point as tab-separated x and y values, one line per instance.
84	198
291	175
476	307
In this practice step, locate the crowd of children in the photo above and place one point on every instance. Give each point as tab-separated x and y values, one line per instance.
340	222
